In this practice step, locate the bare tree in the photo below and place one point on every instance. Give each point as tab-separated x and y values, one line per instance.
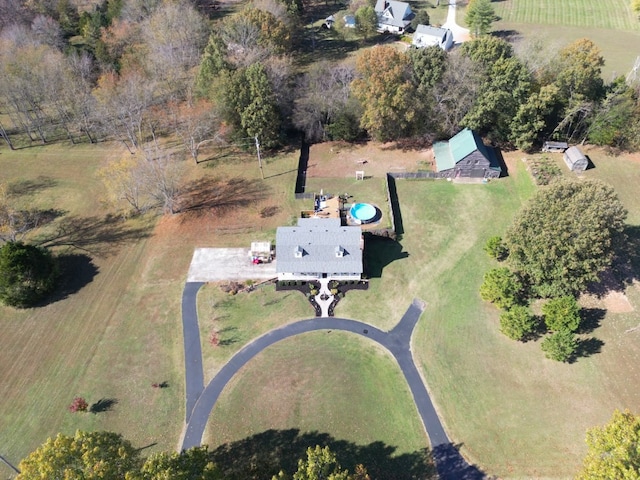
175	36
196	124
123	103
321	95
454	95
47	31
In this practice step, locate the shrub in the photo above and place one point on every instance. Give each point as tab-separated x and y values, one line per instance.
560	346
517	323
501	287
79	404
562	313
27	274
495	248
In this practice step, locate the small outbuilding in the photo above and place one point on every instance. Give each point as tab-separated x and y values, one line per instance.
465	155
557	147
575	159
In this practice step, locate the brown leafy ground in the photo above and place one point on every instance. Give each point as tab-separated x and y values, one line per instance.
335	159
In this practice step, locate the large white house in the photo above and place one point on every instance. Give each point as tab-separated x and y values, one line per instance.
393	16
428	36
319	248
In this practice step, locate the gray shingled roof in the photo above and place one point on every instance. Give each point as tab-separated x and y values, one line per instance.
318	238
401	14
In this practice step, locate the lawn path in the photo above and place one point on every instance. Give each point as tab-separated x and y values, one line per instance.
450	464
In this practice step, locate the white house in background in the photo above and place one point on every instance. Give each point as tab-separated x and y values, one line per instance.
319	248
428	36
393	16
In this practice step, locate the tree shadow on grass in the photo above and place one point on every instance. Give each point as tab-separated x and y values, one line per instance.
206	194
76	271
626	265
31	186
587	347
230	336
103	405
99	236
590	319
452	466
380	252
265	454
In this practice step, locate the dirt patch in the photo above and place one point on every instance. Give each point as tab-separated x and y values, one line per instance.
617	302
335	159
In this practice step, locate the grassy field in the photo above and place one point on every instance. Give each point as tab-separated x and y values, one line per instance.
114	328
334	389
609	14
609	24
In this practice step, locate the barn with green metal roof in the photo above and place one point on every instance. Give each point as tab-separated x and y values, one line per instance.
465	155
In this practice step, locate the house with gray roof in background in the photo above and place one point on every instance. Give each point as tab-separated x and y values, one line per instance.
393	16
428	36
465	155
319	248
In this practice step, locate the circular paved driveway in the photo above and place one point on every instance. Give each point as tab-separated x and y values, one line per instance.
200	400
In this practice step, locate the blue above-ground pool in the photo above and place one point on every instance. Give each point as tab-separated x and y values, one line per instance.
363	212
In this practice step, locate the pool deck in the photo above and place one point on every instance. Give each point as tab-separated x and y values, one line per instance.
331	209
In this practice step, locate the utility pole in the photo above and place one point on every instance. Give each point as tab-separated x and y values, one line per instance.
259	159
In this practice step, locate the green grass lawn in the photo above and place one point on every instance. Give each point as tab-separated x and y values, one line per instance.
116	329
240	318
609	14
333	388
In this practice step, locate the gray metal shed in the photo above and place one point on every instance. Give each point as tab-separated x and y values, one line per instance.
575	159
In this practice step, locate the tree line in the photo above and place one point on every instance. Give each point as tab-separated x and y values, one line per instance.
108	455
135	70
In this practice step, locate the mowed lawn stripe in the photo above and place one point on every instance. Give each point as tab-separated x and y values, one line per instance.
611	14
330	383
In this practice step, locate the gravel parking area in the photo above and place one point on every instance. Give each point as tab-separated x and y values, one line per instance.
219	264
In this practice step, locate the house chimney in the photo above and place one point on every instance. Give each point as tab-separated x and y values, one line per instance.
340	251
298	252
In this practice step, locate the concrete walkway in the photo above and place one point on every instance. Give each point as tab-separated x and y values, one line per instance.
450	464
460	34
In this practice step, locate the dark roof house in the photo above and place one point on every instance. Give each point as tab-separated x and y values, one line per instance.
465	155
393	16
319	248
575	159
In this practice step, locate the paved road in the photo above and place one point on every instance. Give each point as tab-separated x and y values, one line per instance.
460	34
194	374
450	464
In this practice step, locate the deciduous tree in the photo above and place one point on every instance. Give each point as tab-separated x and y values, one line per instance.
566	235
86	455
321	95
613	449
579	71
366	21
191	464
386	93
320	464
